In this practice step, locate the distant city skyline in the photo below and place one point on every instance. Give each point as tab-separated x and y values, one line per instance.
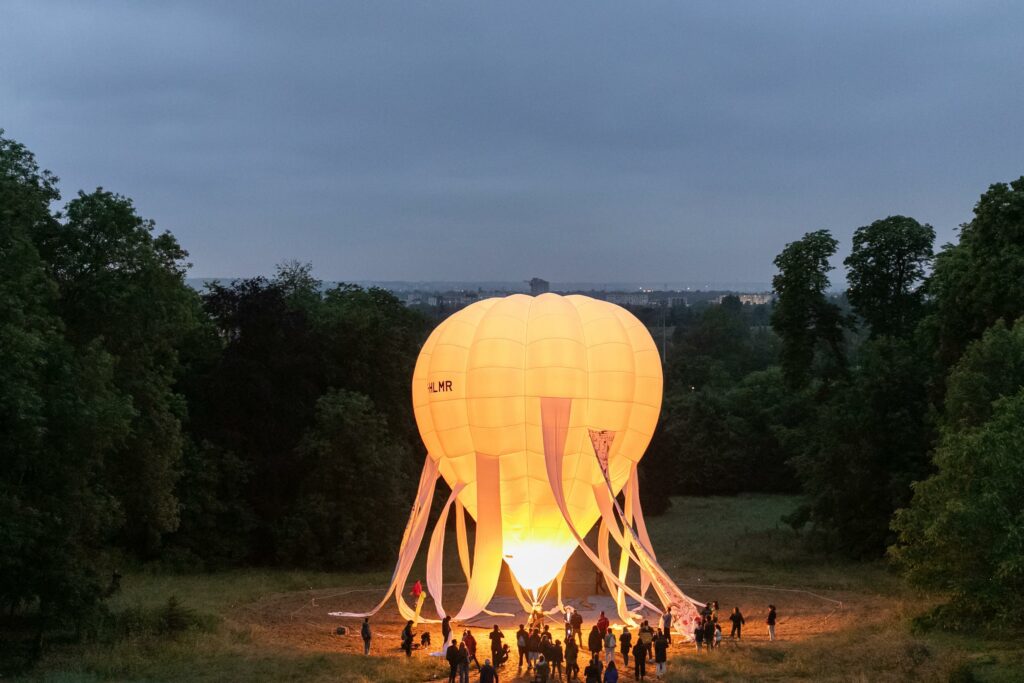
523	286
578	141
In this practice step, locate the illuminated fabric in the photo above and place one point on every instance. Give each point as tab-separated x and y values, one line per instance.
535	411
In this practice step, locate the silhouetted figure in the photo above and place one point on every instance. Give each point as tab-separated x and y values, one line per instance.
639	661
625	645
364	632
407	637
737	623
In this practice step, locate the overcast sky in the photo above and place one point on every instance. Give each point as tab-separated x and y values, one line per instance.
590	141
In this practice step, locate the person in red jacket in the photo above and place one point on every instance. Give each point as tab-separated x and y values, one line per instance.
470	642
602	624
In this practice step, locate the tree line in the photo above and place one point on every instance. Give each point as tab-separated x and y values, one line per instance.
261	422
267	421
892	407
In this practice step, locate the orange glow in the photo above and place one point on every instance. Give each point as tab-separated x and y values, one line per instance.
476	391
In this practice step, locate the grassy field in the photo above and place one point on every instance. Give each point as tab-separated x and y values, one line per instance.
839	621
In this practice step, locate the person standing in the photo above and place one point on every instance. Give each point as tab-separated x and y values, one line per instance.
625	644
737	623
522	637
698	634
709	634
568	623
470	642
487	673
463	663
533	645
556	659
609	646
666	624
452	655
366	635
602	624
595	642
542	669
593	670
419	596
572	666
639	660
772	618
407	638
446	629
577	626
646	638
496	637
660	653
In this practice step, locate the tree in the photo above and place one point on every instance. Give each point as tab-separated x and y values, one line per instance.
60	416
962	533
351	503
885	269
861	449
991	368
981	279
809	325
288	345
123	286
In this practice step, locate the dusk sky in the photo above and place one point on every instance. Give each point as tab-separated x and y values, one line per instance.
589	141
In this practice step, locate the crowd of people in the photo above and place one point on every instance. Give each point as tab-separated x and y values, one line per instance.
547	657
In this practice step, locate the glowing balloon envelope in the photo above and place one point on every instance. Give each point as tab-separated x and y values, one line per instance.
477	389
535	411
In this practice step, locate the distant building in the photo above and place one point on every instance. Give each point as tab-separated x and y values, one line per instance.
538	286
753	299
629	299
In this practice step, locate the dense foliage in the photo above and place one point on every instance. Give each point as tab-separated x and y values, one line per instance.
254	423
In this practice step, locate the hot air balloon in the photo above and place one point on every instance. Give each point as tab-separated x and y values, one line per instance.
535	411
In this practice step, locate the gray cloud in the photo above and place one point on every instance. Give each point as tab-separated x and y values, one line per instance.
656	141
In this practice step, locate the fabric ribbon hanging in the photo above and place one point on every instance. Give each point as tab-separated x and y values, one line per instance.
412	537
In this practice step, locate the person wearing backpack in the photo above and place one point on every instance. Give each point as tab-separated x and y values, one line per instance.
609	646
521	639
